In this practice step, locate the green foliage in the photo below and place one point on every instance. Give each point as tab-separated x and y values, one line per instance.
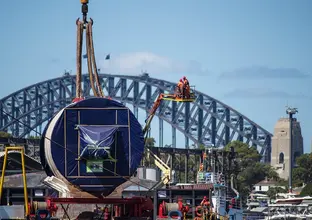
201	146
283	183
147	160
307	190
249	170
302	173
4	134
299	176
273	191
245	154
150	142
34	137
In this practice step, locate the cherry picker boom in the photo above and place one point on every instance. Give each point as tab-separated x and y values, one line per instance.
176	97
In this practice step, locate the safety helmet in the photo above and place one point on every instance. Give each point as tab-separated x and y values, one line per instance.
181	80
184	77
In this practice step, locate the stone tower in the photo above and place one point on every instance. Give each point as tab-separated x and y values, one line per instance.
281	145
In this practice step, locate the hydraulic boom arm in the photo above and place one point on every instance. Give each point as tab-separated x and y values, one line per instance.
158	162
151	115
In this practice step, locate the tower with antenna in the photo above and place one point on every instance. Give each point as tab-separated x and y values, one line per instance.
287	144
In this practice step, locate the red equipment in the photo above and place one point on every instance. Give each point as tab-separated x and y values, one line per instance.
163	212
77	99
47	205
134	207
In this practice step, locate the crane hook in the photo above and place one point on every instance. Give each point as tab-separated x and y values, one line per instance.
84	9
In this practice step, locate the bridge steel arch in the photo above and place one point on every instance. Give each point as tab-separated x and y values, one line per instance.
206	121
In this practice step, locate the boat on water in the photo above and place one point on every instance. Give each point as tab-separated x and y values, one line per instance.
289	211
290	206
291	198
286	206
257	199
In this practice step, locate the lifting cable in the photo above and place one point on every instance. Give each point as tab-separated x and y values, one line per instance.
91	47
78	61
90	70
97	90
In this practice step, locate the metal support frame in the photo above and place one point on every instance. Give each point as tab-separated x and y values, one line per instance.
21	150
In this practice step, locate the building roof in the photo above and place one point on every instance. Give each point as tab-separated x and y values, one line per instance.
34	176
132	185
136	188
34	180
259	209
267	183
14	161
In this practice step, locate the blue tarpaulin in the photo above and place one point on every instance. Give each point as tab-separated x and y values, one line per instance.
96	141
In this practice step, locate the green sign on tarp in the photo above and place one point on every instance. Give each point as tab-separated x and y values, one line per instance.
95	166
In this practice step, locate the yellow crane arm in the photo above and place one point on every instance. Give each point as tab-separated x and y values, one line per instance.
166	170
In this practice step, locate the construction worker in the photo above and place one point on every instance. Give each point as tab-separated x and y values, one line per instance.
206	206
201	167
186	87
205	202
185	81
180	87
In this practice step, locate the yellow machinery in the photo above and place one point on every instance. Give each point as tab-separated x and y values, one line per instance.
6	153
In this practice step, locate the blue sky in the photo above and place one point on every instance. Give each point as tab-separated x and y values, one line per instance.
253	55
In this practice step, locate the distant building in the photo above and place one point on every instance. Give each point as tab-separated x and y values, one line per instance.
281	145
265	185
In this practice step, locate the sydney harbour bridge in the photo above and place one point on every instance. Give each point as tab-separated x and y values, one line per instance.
206	121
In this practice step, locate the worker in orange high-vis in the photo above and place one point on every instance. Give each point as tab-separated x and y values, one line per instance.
180	87
186	87
206	205
185	81
205	201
